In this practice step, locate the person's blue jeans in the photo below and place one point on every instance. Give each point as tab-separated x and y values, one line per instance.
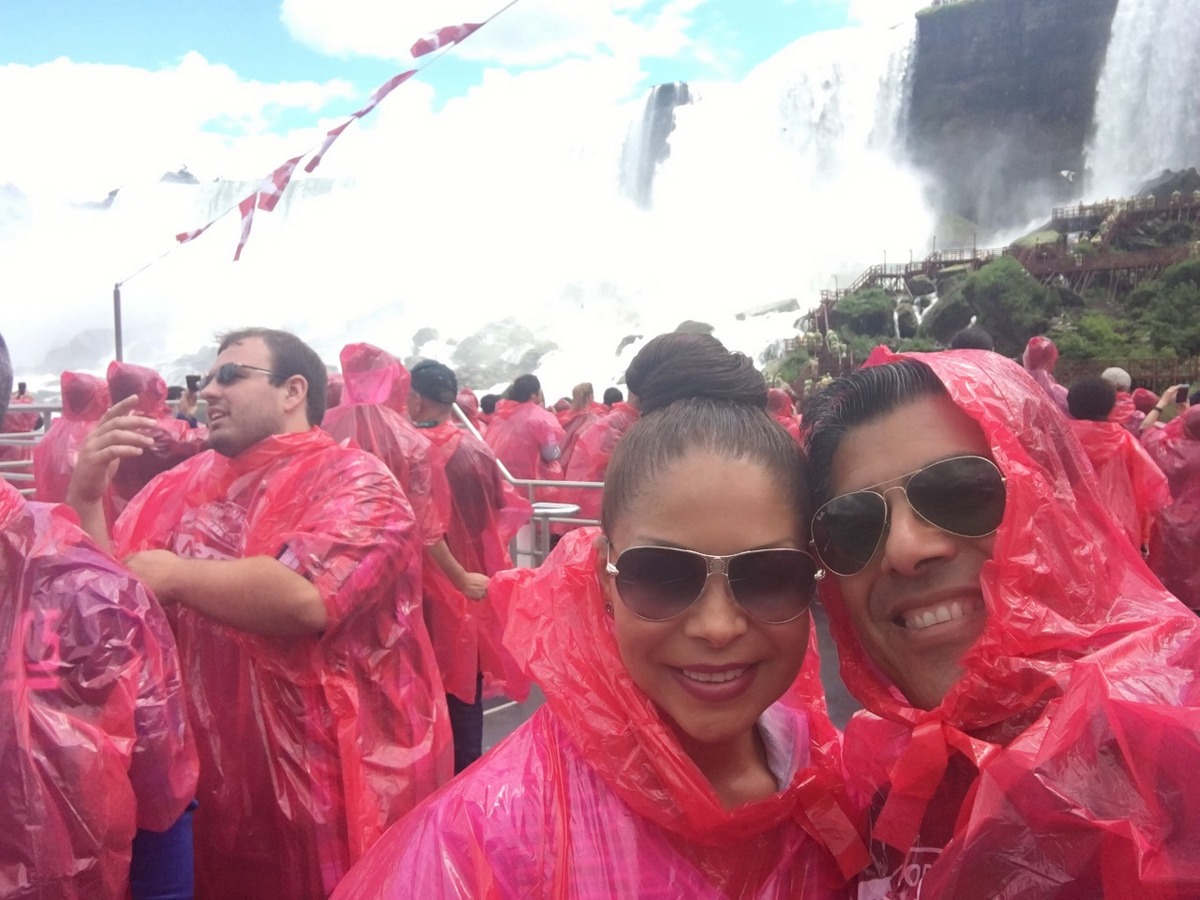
163	867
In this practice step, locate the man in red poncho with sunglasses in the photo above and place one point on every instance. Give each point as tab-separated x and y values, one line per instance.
1032	705
292	565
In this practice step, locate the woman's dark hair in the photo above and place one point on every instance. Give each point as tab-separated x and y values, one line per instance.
853	400
696	395
289	356
1091	398
487	404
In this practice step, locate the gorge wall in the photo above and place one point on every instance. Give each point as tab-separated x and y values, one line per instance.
1002	101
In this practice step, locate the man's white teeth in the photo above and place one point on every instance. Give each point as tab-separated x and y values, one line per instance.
935	615
714	677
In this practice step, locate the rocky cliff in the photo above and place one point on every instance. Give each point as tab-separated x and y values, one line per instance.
1003	93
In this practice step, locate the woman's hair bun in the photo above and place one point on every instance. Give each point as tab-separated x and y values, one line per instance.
688	366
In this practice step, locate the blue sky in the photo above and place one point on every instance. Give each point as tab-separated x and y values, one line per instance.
273	42
233	87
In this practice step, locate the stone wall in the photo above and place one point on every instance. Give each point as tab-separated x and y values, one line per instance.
1003	94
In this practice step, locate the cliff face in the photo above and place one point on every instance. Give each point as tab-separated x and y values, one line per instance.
1003	93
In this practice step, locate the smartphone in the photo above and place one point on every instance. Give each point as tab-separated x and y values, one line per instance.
193	383
1181	394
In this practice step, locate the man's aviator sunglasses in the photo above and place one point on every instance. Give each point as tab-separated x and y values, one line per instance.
229	373
658	583
963	496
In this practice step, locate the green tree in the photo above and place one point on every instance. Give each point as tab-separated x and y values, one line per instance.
1011	304
866	312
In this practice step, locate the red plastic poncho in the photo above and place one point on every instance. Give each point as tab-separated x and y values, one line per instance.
469	404
594	798
174	439
589	460
1062	763
18	423
1134	487
782	410
94	740
309	746
485	514
84	400
1039	359
517	433
374	415
1176	544
575	421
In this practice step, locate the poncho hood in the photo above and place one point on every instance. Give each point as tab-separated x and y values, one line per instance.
1066	594
84	397
125	379
1062	582
571	652
372	375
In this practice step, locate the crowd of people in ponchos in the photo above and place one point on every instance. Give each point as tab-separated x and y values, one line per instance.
247	657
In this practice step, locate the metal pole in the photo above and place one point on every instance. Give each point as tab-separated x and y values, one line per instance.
117	320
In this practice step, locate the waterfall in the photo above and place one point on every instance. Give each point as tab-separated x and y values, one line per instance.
647	143
506	230
1147	115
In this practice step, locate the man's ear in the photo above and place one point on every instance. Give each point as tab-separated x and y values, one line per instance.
295	393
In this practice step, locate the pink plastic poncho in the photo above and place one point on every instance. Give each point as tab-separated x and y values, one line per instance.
594	798
517	433
309	746
1039	359
1176	545
93	736
84	400
1133	486
589	460
374	414
174	439
1062	763
484	516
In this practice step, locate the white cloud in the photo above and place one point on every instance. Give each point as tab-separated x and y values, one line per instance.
531	32
83	128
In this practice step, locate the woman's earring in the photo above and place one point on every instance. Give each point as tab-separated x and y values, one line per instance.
608	609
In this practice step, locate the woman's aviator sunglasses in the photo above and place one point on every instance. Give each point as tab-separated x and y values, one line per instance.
963	496
229	373
658	583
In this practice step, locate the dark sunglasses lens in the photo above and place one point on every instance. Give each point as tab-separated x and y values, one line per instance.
226	374
847	529
773	585
659	582
964	496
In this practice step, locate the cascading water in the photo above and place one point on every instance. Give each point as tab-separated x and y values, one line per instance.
502	227
1147	102
646	145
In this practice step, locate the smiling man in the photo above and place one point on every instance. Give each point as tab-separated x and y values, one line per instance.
293	566
1032	707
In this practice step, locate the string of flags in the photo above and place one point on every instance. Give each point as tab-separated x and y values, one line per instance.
267	193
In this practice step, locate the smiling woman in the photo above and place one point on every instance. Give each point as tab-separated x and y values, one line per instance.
684	739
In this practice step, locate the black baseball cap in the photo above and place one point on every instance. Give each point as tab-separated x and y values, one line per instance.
434	381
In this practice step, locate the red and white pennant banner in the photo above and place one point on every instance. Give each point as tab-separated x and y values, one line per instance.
267	195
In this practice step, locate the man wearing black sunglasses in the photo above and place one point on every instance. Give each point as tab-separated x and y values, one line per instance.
1032	720
292	564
